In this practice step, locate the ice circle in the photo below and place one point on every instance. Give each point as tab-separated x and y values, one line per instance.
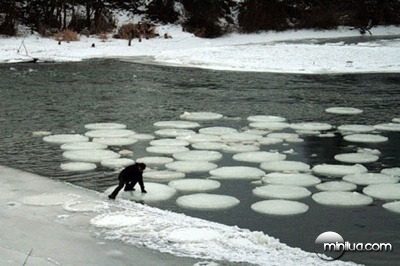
205	201
285	166
110	133
155	193
396	120
41	133
195	138
95	126
283	135
90	156
365	179
273	126
237	148
78	166
365	138
294	179
169	142
313	126
388	127
383	191
155	160
194	185
166	149
193	235
85	206
265	118
336	186
237	172
49	199
163	175
357	157
341	198
117	163
143	136
83	146
344	110
338	170
200	116
116	220
191	166
281	192
65	138
356	128
254	131
177	124
173	132
395	171
208	146
269	141
116	141
202	155
217	130
259	156
279	207
392	206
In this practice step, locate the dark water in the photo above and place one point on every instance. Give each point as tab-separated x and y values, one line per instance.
63	98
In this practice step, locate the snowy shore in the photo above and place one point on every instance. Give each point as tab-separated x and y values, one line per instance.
303	51
57	221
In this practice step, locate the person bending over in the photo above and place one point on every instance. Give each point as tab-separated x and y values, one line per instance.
129	177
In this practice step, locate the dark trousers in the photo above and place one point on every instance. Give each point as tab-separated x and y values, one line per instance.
128	186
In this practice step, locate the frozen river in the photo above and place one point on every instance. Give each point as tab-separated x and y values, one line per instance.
62	98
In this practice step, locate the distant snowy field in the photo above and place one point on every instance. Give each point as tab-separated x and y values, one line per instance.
285	52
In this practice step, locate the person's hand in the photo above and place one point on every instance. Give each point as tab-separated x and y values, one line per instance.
144	191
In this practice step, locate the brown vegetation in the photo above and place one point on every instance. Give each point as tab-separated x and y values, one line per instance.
67	36
140	30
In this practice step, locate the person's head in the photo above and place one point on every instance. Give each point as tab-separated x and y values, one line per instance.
141	166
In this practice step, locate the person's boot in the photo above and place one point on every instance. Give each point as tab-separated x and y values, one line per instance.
112	197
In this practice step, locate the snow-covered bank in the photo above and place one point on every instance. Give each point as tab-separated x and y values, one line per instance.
285	52
33	217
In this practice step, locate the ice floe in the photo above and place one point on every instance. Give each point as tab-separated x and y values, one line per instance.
49	199
117	163
78	166
265	118
342	198
336	186
259	156
202	155
195	138
155	160
394	171
142	136
238	147
90	156
283	135
163	175
116	141
313	126
237	172
85	206
396	120
357	157
200	116
260	132
125	152
166	149
369	151
191	166
344	110
338	170
169	142
177	124
365	179
218	130
65	138
95	126
356	128
208	202
209	146
383	191
365	138
285	166
281	192
392	206
83	146
41	133
388	127
269	141
273	126
279	207
173	132
293	179
155	193
110	133
194	185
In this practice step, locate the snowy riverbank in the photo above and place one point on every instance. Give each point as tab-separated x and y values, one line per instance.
58	221
303	51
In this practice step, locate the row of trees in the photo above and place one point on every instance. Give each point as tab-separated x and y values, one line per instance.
206	18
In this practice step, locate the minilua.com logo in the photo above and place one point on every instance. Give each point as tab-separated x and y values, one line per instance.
331	246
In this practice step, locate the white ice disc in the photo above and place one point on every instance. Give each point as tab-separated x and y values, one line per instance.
285	166
388	127
65	138
237	172
342	198
202	155
169	142
357	157
279	207
336	186
95	126
338	170
78	166
395	171
110	133
259	156
392	206
166	149
314	126
195	138
294	179
344	110
194	185
265	118
173	132
236	148
217	130
155	160
200	116
177	124
355	128
269	141
365	138
191	166
116	141
90	156
83	146
383	191
208	146
273	126
281	192
208	202
117	163
163	175
366	179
